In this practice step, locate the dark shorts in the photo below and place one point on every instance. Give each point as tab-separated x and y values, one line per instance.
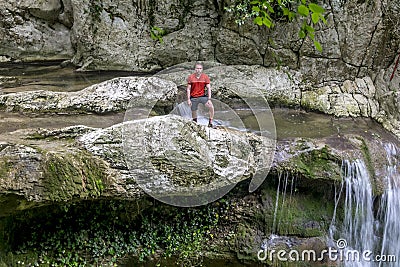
197	100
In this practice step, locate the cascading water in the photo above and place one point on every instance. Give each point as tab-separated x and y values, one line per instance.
363	231
358	226
389	210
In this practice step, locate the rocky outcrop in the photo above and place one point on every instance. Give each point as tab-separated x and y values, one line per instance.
109	96
44	166
106	163
351	98
360	44
232	85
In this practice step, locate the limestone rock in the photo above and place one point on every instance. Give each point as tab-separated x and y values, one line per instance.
47	10
30	31
108	96
172	156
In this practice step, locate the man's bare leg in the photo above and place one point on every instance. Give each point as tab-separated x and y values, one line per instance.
211	113
194	115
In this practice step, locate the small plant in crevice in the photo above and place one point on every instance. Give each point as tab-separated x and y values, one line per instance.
157	34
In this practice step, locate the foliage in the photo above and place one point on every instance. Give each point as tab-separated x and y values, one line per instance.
268	12
101	233
157	33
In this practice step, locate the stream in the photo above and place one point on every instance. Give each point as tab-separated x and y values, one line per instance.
52	76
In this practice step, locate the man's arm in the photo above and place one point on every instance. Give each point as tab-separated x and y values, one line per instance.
209	91
188	94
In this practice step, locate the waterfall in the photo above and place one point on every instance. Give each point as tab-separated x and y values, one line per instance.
361	230
358	225
389	209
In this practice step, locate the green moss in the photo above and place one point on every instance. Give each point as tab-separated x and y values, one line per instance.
303	215
73	175
367	157
318	164
5	167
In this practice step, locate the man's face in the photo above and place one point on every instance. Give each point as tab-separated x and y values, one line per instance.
198	69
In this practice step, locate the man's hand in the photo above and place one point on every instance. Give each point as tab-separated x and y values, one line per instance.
189	102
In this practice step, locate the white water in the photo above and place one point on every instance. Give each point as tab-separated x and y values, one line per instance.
389	210
362	230
358	225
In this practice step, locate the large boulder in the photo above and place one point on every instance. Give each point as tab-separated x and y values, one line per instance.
47	167
109	96
166	155
170	156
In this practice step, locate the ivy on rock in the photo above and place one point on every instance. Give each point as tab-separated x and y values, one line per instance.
268	12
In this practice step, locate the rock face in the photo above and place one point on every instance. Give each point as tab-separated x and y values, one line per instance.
360	39
35	30
39	167
360	44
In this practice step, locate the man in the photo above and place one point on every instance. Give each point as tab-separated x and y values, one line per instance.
199	91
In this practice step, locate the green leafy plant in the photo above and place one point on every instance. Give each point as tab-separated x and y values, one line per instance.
157	33
101	232
269	12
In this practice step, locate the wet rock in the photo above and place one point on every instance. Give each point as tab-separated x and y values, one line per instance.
9	81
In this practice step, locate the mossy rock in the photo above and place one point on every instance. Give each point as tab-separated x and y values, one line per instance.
73	175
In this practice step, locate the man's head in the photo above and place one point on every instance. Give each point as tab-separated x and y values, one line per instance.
198	68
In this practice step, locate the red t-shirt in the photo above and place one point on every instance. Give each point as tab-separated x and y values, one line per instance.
197	88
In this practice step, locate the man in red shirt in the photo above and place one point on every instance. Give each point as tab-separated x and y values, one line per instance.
199	91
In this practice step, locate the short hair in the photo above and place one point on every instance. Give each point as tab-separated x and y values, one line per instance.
198	63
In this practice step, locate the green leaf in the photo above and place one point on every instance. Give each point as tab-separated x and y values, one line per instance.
292	15
316	8
309	28
254	2
303	10
267	22
286	11
315	17
323	19
256	9
258	21
270	9
318	46
302	34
